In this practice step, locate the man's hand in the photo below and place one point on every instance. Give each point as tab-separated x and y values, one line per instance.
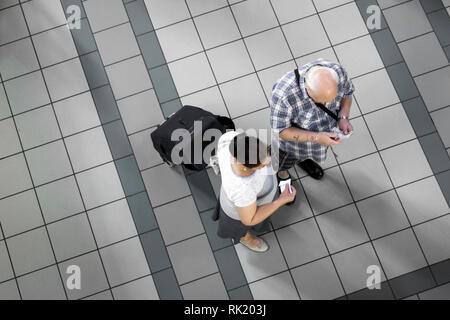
327	139
345	126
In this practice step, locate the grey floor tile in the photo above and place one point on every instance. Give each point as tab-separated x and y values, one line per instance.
440	118
163	84
112	223
306	42
301	243
93	277
444	182
54	46
130	175
368	99
106	105
441	271
382	214
167	285
67	3
20	213
318	280
124	261
439	293
170	107
413	282
441	25
209	99
30	251
343	23
142	212
270	76
431	5
179	40
390	126
398	19
322	5
192	259
143	148
37	127
367	13
209	288
423	54
10	143
23	54
83	38
435	152
250	23
42	285
163	13
211	230
402	81
333	185
9	291
117	139
414	297
191	74
359	56
151	50
5	111
60	199
327	54
202	190
13	18
72	85
76	114
142	289
93	68
433	87
100	18
289	10
242	293
278	287
418	116
129	77
360	144
202	6
399	253
100	185
387	48
104	295
48	163
155	251
140	21
243	95
26	92
6	271
257	266
171	216
385	293
402	172
37	13
71	237
342	228
230	268
230	61
88	149
14	170
353	267
268	48
165	184
434	237
116	44
297	212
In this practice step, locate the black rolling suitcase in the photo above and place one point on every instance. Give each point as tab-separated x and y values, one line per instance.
184	119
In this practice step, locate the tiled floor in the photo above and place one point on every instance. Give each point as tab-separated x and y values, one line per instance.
80	183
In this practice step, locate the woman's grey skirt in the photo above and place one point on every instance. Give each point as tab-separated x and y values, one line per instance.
235	229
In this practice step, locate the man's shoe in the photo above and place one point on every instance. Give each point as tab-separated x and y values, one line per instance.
312	168
279	189
261	247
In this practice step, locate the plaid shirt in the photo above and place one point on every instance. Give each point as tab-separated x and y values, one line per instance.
290	106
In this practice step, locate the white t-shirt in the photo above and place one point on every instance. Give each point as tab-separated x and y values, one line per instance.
237	191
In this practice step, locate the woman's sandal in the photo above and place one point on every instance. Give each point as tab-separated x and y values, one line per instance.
263	246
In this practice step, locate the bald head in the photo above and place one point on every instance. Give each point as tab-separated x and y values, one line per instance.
322	84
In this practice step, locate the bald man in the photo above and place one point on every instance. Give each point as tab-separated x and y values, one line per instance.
306	104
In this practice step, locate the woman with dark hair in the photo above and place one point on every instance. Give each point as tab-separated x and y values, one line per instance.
248	190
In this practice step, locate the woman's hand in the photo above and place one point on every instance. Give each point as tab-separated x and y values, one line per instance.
287	197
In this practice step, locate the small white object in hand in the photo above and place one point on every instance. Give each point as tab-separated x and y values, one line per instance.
340	134
285	183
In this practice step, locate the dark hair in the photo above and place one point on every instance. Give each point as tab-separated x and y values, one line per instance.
249	151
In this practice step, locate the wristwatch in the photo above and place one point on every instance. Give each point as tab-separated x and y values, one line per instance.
343	117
